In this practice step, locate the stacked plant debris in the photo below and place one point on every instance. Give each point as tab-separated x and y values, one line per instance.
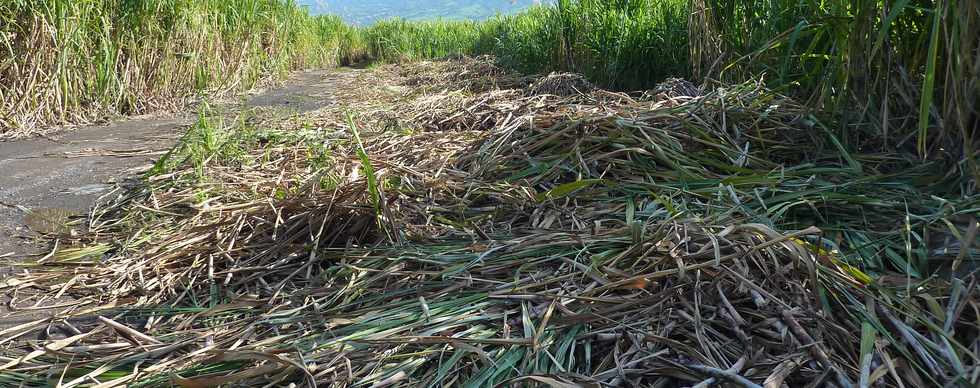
471	74
562	84
515	238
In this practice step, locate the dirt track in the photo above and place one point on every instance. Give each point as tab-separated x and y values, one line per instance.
69	170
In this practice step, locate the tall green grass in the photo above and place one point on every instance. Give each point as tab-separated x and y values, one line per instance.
897	74
66	61
399	40
622	44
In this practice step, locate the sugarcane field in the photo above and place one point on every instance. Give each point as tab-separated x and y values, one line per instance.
493	193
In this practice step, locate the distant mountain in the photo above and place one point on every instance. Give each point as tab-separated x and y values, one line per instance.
368	11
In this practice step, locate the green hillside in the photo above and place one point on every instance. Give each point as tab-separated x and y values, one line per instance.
366	12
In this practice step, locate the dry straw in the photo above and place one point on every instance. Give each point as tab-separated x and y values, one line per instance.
514	237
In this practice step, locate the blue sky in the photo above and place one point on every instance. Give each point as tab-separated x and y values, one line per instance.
367	11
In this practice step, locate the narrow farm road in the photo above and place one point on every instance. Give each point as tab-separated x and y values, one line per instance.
70	170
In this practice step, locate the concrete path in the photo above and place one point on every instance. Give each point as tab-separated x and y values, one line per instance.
70	170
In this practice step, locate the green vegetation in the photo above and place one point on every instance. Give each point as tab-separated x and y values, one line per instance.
897	75
892	75
626	45
806	217
515	235
66	61
366	12
399	40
